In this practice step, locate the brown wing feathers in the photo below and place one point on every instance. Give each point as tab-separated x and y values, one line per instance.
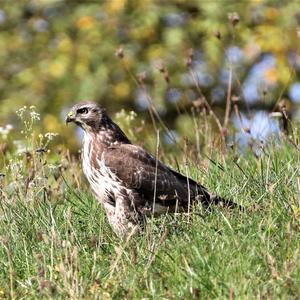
137	170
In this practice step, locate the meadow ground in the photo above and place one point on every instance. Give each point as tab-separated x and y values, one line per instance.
56	243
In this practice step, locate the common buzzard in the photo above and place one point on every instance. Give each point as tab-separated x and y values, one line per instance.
129	182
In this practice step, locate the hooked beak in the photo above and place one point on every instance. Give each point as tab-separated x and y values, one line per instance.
70	117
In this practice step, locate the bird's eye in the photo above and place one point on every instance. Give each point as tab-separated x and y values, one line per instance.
83	110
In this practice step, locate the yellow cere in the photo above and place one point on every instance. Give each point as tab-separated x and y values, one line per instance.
70	114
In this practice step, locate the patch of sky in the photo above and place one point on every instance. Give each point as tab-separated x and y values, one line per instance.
40	25
256	79
234	54
79	133
218	94
200	70
294	92
141	100
175	19
294	60
260	129
171	137
2	16
173	95
224	76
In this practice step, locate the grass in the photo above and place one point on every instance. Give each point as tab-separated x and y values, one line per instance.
55	241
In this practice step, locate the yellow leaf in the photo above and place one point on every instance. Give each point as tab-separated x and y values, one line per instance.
271	75
58	67
65	45
122	89
115	6
156	51
271	13
86	22
51	123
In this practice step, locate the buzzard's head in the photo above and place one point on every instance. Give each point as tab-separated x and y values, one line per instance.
89	116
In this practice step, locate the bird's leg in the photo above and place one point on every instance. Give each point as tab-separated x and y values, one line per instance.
122	219
110	212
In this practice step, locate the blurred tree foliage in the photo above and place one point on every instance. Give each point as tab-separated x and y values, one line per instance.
55	53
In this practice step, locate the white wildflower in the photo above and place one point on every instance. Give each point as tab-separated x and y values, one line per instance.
19	177
5	130
31	185
52	167
9	127
132	115
35	116
50	135
20	112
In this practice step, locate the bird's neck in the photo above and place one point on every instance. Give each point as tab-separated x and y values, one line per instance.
106	135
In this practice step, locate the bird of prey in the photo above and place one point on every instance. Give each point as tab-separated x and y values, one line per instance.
130	183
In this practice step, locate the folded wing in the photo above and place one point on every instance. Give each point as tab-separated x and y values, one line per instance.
139	170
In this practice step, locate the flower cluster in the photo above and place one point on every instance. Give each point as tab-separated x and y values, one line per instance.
28	117
20	112
32	113
126	116
35	116
50	135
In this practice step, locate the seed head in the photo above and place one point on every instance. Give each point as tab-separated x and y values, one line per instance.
142	77
189	58
233	18
163	70
218	35
235	99
120	53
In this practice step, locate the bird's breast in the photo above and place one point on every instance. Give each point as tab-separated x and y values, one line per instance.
102	180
